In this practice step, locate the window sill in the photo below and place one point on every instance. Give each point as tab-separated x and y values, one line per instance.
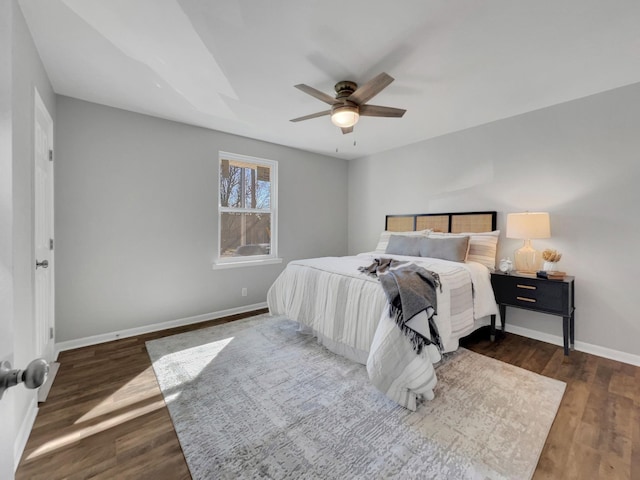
245	263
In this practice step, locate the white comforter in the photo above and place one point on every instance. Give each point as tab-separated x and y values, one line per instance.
348	312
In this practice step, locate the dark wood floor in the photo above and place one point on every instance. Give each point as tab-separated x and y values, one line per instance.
105	416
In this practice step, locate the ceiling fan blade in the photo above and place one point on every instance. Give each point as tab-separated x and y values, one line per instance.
316	93
378	111
313	115
346	130
370	89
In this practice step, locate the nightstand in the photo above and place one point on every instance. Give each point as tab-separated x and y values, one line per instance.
555	297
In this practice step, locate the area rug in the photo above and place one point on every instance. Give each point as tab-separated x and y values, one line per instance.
257	399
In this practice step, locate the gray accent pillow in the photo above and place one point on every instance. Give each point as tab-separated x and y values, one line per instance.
403	245
453	249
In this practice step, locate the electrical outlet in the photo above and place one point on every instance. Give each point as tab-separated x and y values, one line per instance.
244	291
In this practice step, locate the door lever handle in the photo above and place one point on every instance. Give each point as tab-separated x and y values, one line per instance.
33	377
43	264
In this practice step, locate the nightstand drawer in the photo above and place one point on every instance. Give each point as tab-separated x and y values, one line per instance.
531	293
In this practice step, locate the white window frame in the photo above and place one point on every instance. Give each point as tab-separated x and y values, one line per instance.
252	260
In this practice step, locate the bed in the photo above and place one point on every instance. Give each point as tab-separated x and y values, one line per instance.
339	301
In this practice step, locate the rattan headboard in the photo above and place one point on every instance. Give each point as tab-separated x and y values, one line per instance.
443	222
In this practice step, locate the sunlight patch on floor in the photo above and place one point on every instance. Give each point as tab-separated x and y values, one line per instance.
187	364
121	398
132	400
85	432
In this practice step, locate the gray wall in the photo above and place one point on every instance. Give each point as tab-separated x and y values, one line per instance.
136	219
578	160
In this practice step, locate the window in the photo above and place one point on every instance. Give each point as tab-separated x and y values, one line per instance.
247	207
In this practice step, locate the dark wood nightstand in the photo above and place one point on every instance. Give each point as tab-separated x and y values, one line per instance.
555	297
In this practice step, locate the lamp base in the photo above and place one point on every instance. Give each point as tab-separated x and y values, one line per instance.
527	260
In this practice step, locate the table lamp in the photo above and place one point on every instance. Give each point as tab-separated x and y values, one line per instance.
527	226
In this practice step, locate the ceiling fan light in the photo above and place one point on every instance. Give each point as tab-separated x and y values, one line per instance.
344	117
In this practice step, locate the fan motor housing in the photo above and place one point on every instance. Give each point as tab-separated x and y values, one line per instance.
345	88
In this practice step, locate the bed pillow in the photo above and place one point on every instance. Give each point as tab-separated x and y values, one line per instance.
482	246
404	245
384	238
453	249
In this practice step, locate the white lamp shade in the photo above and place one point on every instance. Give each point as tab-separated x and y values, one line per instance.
528	225
345	117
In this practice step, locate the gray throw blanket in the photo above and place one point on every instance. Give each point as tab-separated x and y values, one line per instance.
410	289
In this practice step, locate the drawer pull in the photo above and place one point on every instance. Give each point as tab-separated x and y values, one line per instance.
527	287
525	299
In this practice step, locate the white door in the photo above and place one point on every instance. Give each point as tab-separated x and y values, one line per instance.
6	236
6	329
6	300
6	245
43	231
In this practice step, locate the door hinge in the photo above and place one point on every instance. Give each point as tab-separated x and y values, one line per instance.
51	155
51	244
50	333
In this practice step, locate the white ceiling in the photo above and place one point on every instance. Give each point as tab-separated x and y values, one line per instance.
231	65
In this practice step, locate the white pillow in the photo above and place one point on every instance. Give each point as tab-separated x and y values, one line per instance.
383	241
483	246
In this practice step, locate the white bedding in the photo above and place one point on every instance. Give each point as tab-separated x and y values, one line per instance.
348	312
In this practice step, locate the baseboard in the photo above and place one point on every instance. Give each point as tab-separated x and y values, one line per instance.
25	430
131	332
43	391
597	350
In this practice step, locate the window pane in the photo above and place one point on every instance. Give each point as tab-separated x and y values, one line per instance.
263	194
244	185
230	177
245	234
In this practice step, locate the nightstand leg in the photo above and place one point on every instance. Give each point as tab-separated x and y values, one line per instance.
503	315
565	333
572	332
492	335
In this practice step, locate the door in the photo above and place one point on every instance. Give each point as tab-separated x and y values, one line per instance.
43	231
6	297
6	319
6	237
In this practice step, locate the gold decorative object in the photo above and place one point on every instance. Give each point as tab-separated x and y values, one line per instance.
549	255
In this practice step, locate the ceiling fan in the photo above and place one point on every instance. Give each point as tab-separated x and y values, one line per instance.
350	102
